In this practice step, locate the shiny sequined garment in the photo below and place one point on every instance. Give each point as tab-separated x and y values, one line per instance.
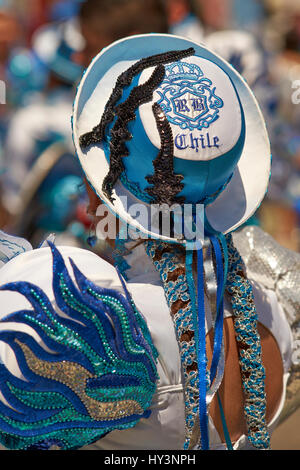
95	373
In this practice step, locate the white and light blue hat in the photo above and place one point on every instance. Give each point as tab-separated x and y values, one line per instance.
158	118
54	45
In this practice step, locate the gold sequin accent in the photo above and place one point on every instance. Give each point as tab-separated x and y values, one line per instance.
75	377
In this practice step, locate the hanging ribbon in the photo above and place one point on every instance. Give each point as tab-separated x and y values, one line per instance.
218	336
198	311
199	318
224	424
202	359
216	291
219	244
212	288
198	308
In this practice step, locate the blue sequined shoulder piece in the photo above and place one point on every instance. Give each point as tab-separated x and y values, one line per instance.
96	374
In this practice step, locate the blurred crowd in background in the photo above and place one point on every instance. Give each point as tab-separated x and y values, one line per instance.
45	46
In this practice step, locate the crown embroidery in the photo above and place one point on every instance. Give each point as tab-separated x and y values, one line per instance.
188	98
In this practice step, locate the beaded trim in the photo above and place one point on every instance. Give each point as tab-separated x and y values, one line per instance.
248	341
166	185
121	251
100	375
169	261
124	80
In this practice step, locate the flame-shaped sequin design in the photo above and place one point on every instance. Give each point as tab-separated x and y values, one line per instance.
94	373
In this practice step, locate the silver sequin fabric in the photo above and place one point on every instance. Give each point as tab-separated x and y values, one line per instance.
276	268
273	266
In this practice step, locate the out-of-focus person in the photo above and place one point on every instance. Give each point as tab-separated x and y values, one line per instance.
234	30
104	21
286	66
43	126
45	122
281	210
9	34
36	13
182	19
101	23
219	29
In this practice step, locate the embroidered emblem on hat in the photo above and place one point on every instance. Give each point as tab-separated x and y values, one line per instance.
202	107
188	98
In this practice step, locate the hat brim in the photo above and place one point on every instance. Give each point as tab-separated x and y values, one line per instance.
248	186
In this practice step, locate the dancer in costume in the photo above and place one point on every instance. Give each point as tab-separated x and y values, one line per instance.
187	353
45	120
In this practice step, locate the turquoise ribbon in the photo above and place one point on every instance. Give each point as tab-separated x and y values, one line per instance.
219	247
198	308
225	428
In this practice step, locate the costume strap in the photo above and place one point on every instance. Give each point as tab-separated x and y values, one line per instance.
185	297
248	340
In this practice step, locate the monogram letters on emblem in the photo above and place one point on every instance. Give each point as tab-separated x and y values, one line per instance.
188	99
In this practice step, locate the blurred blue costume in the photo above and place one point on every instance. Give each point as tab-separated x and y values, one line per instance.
40	128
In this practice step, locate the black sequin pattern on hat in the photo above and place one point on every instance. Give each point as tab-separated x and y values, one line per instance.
124	80
119	134
125	112
166	185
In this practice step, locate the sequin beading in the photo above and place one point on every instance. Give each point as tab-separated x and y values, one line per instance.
99	376
248	341
169	263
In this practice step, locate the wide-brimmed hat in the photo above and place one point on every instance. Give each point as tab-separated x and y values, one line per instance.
55	44
160	119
